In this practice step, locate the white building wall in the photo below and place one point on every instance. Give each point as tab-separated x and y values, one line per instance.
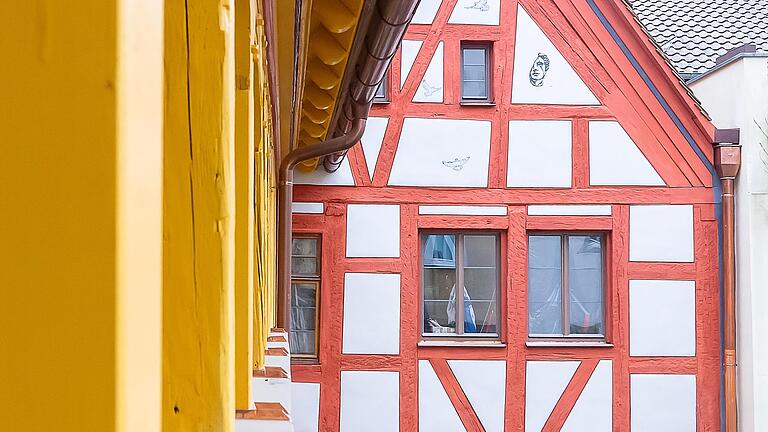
736	96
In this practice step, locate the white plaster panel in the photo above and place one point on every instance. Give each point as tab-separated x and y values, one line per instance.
431	86
340	177
371	313
436	412
442	152
484	383
663	403
593	410
539	153
410	49
373	230
662	318
545	382
305	401
569	210
559	85
308	207
615	160
661	233
248	425
370	401
463	210
426	11
371	140
481	12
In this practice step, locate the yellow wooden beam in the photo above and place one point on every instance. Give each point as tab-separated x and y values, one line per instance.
244	202
198	230
80	291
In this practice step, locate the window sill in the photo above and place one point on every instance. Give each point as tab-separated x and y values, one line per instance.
569	344
480	104
305	361
381	102
462	343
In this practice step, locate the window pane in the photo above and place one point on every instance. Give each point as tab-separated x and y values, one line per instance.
381	91
544	285
474	73
303	266
585	284
474	56
304	247
481	282
303	312
439	282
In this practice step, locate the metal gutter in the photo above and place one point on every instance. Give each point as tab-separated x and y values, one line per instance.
376	42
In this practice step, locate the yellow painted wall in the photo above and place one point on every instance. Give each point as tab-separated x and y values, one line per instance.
198	227
80	133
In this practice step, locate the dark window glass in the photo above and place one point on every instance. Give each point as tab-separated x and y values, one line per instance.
381	91
305	285
565	285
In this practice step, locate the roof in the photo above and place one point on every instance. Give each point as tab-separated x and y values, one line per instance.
694	33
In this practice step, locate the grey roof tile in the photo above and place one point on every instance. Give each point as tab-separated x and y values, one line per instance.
694	33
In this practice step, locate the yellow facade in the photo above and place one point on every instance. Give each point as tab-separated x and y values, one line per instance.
141	144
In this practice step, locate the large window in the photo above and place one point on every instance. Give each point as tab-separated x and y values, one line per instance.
475	72
305	290
460	284
565	285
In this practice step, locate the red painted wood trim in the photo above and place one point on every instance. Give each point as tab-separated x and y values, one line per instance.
670	365
410	282
306	373
570	395
435	195
647	270
619	323
462	353
580	153
462	222
457	396
370	362
517	318
569	223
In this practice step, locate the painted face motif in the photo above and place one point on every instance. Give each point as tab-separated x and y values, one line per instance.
539	70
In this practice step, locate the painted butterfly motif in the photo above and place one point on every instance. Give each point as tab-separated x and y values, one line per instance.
456	164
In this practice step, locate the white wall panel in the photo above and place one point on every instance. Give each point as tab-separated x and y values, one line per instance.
305	404
481	12
410	49
545	382
341	177
662	318
373	230
307	207
560	83
436	412
371	140
539	153
370	401
442	152
431	86
661	233
426	12
484	383
615	160
593	410
663	403
371	313
463	210
569	210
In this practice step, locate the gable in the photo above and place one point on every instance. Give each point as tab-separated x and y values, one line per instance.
592	122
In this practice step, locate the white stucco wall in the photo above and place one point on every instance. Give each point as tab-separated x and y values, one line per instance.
736	96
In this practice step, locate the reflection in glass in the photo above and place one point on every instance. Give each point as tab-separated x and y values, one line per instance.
544	285
585	285
481	283
303	311
439	279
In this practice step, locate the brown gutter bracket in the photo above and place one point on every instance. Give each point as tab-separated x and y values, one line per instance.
727	164
285	215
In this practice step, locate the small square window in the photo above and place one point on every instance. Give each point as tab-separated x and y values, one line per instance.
381	95
305	291
475	72
565	285
468	260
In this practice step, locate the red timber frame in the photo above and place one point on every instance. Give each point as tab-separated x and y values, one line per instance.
578	34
